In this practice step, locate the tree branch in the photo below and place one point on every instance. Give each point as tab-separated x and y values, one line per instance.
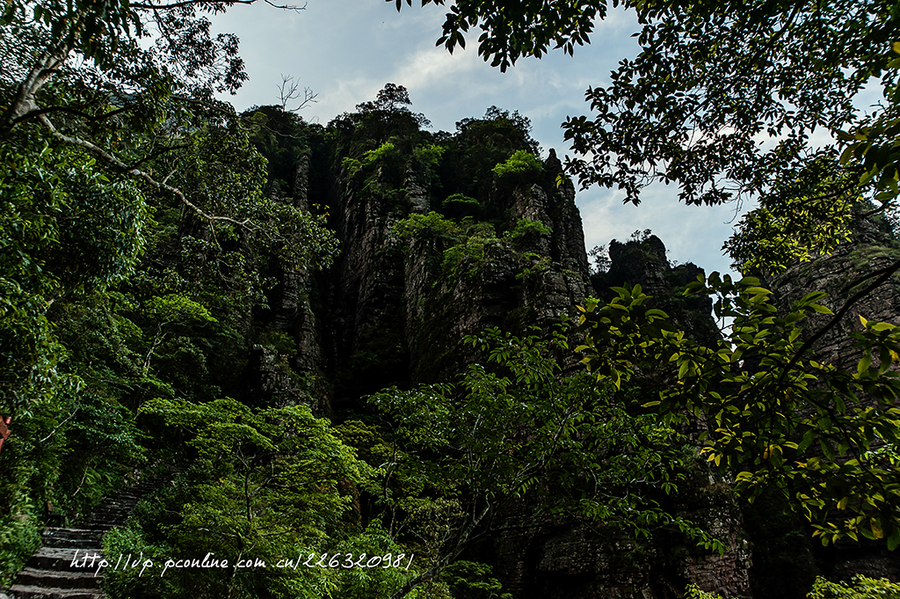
183	3
863	278
37	113
23	104
885	275
53	432
287	6
135	172
290	90
157	154
444	561
146	6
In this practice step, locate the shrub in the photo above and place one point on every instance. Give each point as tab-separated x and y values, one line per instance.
386	149
862	588
429	155
526	232
519	165
459	206
431	224
694	592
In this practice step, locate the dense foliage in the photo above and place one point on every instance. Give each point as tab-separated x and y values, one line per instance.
135	235
862	587
456	458
722	100
145	227
778	416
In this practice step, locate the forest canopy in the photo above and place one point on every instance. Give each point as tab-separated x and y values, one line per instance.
722	100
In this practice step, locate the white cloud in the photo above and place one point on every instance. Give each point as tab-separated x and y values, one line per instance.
432	67
691	233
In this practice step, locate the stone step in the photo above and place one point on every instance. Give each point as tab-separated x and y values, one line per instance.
62	558
118	518
114	512
112	509
66	566
78	538
54	579
114	519
19	591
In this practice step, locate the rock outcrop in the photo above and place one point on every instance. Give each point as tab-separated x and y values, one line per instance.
423	264
398	306
432	251
788	559
575	559
853	266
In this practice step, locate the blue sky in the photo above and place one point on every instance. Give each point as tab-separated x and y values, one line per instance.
346	50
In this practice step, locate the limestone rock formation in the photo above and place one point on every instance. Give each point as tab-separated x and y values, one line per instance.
848	270
574	559
435	244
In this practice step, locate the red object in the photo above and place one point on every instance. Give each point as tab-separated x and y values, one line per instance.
4	431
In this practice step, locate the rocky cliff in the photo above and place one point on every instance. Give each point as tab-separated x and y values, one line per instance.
422	263
445	235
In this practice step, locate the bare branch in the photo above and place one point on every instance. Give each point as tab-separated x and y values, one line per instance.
184	3
289	90
287	6
24	105
446	559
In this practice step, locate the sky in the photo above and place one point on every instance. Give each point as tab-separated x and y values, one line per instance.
346	50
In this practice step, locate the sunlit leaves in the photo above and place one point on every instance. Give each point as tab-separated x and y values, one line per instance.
269	484
64	225
724	100
826	437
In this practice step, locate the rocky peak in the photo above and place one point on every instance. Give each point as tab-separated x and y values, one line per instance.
443	236
642	261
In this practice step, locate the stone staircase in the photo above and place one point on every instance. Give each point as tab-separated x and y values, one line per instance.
61	568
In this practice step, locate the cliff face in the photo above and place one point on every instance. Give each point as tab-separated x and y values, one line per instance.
571	559
405	291
851	268
642	261
444	235
439	242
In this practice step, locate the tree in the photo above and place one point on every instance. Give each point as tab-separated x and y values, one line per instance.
133	221
774	415
97	133
722	100
392	100
391	97
480	145
713	79
454	458
267	485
